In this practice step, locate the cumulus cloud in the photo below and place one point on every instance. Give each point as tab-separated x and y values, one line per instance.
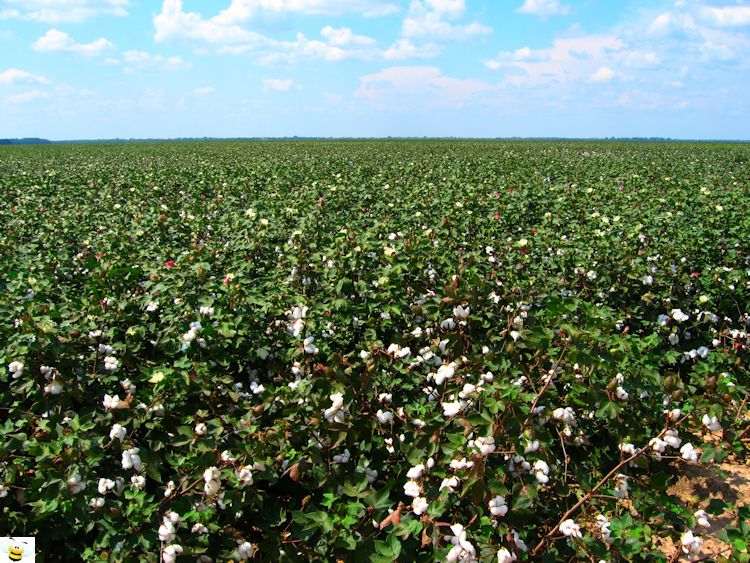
17	76
543	8
727	16
602	74
204	91
63	11
144	59
55	40
343	37
426	83
278	84
432	19
405	49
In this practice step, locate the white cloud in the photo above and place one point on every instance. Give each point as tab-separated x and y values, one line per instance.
278	84
570	59
640	59
143	59
15	76
405	49
603	74
431	18
55	40
426	84
25	97
343	37
63	11
543	8
204	91
727	16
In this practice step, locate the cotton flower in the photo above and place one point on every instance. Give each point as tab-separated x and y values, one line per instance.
169	489
336	412
497	506
505	556
541	471
171	552
412	489
448	325
711	423
199	528
111	363
385	398
201	429
531	446
689	453
419	505
461	463
621	394
97	502
139	481
566	415
105	485
603	522
207	311
212	478
570	529
627	448
16	369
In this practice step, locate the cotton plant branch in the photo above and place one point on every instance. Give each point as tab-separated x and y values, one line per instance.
614	471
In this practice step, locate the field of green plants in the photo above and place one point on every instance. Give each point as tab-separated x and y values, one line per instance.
381	351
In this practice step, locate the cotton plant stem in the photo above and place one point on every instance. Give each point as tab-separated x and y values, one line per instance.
592	492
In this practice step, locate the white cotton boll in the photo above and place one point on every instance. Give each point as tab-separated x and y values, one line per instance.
171	552
515	335
335	413
309	345
566	415
621	394
570	529
505	556
416	472
461	312
445	371
199	528
448	325
689	453
105	485
541	471
520	544
497	506
152	306
679	316
169	489
702	518
384	417
627	448
671	437
451	408
711	423
702	352
419	505
16	369
76	485
212	478
389	445
207	311
97	502
364	354
673	339
111	363
450	483
674	414
139	481
201	429
412	489
648	280
461	464
54	388
385	398
488	377
531	446
690	543
244	476
246	550
485	445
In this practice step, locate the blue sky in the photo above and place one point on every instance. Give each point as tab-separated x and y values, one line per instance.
72	69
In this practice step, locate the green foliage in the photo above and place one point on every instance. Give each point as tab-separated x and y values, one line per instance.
546	275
